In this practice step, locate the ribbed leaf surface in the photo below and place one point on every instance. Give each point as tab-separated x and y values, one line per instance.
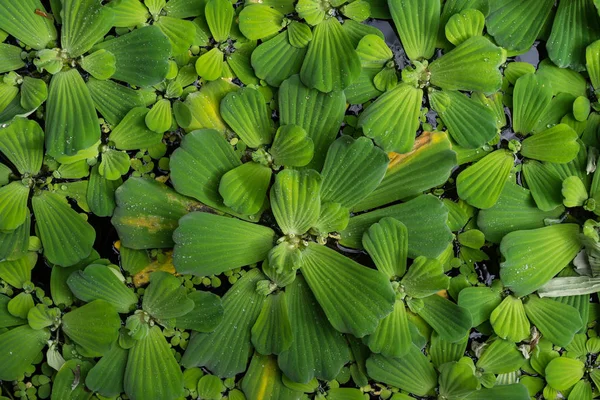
424	278
480	301
417	22
449	320
562	373
113	100
165	298
263	381
500	357
20	20
84	22
558	145
10	58
392	337
509	320
558	322
19	347
100	194
106	377
442	351
179	31
387	244
206	315
258	21
94	327
276	59
531	96
14	244
13	205
245	111
244	188
219	16
272	331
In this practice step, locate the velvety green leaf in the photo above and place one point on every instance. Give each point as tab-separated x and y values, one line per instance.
160	118
9	95
258	21
14	244
363	88
69	381
263	381
373	52
100	282
413	372
417	22
84	23
20	20
67	238
319	114
152	372
165	298
562	373
500	357
20	305
531	97
204	243
425	277
515	24
575	26
442	351
299	34
387	244
352	170
313	12
94	327
331	62
71	120
272	331
128	13
473	65
562	80
106	377
226	350
292	147
333	218
428	165
392	337
179	31
277	59
557	144
295	200
450	321
209	66
514	391
113	100
183	8
425	217
6	318
509	320
533	257
317	349
457	380
592	63
244	188
148	212
13	205
34	92
557	322
339	285
514	210
470	123
100	195
246	113
481	184
480	301
142	56
206	315
10	58
114	164
357	10
461	27
393	119
219	15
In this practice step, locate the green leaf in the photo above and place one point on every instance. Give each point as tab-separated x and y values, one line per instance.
461	27
106	377
470	123
592	63
392	337
531	97
481	184
442	351
340	68
516	24
69	381
357	10
206	315
100	194
339	285
128	13
295	200
272	331
204	243
569	286
387	244
480	301
179	31
9	95
450	321
562	80
94	327
514	210
471	66
84	23
425	277
393	119
8	320
363	89
509	320
425	217
245	111
457	380
226	350
10	58
413	373
219	16
34	93
152	372
148	212
263	380
333	218
417	22
500	357
21	21
292	147
14	244
114	164
562	373
71	120
19	347
557	322
244	188
258	21
313	12
557	144
20	305
142	56
533	257
319	114
299	34
113	100
209	66
277	59
160	118
582	390
67	238
428	165
13	205
165	298
575	26
101	282
514	391
353	169
311	330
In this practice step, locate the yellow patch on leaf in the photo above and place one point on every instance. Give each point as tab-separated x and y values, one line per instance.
143	277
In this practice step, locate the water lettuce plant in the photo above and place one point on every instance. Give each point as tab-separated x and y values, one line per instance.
337	199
